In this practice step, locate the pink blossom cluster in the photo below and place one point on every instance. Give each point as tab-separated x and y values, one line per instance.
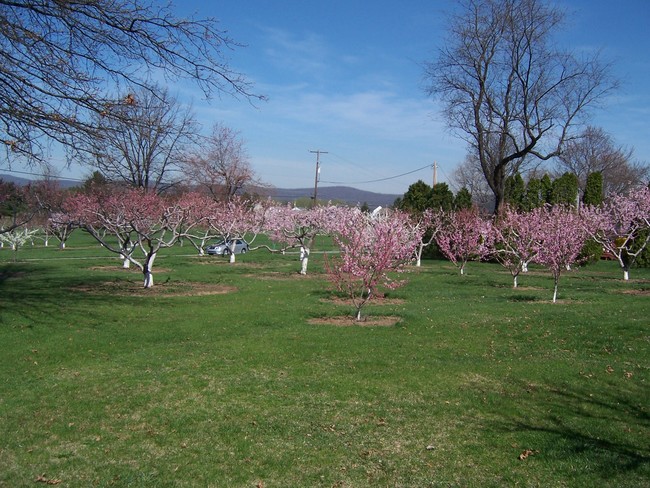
372	248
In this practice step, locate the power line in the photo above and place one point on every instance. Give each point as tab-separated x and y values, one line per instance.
377	180
40	174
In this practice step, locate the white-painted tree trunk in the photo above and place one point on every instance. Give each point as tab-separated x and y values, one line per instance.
232	257
514	281
61	245
126	264
304	260
148	275
626	275
418	257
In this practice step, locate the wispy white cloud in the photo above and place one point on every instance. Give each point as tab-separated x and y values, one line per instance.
306	55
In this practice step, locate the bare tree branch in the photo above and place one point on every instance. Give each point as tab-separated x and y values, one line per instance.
59	59
507	90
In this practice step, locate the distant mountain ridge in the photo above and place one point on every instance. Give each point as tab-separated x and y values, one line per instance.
346	194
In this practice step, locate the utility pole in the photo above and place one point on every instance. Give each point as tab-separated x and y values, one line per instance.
435	173
318	152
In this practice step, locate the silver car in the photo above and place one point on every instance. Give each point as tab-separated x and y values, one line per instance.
223	248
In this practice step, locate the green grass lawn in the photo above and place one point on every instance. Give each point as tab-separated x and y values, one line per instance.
219	377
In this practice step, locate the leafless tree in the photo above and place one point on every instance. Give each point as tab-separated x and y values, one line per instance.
469	175
58	59
141	139
507	90
221	166
595	150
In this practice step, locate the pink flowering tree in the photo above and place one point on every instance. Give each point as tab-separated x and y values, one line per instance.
427	225
464	236
560	238
197	209
618	225
297	228
137	219
514	239
101	214
61	226
371	249
237	218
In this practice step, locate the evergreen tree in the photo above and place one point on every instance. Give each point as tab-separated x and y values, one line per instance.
442	197
463	199
515	189
565	190
533	196
417	198
593	189
546	189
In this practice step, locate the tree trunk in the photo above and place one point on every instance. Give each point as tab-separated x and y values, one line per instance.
146	269
418	257
514	281
304	260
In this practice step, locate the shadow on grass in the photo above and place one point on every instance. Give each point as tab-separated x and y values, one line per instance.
607	427
31	294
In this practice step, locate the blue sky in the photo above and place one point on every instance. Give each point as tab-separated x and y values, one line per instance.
345	76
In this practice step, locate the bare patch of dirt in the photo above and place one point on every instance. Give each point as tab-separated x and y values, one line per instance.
166	289
132	269
279	276
638	292
348	321
377	300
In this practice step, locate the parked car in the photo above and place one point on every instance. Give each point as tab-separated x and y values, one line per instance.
223	248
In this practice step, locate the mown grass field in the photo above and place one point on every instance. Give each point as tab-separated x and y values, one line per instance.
219	377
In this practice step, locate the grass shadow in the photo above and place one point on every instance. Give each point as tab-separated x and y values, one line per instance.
32	294
605	428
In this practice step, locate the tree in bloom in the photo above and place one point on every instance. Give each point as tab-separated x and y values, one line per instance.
560	237
197	209
61	226
297	228
620	226
17	237
237	218
427	225
371	247
138	219
465	235
514	237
